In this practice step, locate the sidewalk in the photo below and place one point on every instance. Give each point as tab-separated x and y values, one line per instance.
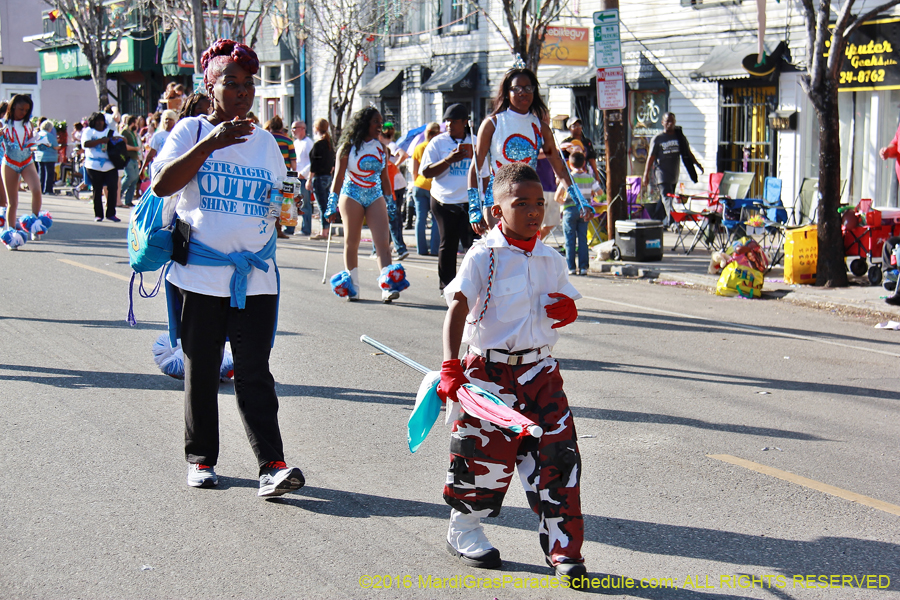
692	270
678	269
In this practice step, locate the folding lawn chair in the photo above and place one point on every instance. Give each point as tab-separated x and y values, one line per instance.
709	231
775	217
804	210
597	233
733	191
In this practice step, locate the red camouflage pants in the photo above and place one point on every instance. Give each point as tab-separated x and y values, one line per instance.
482	455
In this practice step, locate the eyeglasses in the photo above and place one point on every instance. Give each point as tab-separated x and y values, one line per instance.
522	89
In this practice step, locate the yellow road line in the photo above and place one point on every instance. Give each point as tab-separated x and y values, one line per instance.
810	483
94	269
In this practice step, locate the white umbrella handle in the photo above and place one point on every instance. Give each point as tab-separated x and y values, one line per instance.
327	252
394	354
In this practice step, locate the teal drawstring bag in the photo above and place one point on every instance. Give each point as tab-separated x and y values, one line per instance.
426	411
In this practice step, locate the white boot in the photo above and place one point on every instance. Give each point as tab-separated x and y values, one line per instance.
354	277
466	540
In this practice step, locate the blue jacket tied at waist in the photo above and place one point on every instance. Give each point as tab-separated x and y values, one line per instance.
202	255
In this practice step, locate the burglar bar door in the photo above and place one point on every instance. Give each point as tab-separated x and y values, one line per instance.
746	142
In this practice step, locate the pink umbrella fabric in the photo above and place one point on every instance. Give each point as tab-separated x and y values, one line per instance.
484	405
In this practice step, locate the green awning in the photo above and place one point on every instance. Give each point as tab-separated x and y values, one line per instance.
173	62
68	62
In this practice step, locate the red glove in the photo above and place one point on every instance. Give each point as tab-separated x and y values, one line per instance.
452	378
563	310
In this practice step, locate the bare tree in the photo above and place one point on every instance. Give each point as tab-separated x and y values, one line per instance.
348	31
238	20
97	30
527	24
825	55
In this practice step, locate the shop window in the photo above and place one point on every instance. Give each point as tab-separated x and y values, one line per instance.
591	118
645	111
273	108
449	13
746	141
414	18
20	77
390	111
273	75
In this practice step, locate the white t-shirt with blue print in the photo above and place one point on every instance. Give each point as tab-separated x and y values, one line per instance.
227	205
450	186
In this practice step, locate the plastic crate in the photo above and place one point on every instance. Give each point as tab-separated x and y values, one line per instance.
801	251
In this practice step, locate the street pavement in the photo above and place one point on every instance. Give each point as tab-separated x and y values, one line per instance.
731	448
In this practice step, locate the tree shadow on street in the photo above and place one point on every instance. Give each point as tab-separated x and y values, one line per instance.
719	378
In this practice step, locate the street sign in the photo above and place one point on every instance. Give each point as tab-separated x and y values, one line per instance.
604	17
607	42
611	88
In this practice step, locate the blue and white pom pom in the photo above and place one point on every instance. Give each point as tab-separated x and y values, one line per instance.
342	285
32	224
226	371
45	218
13	239
393	278
171	360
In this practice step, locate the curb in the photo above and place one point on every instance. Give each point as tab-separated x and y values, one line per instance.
623	270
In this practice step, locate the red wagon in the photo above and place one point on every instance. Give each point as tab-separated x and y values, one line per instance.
864	242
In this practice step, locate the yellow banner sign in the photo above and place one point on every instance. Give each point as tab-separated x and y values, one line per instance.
566	46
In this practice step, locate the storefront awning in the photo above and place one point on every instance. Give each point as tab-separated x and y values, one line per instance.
458	77
573	77
68	62
386	83
724	62
172	61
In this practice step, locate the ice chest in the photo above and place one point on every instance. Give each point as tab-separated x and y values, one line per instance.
640	239
801	252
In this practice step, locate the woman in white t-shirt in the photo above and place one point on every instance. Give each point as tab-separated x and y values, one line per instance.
218	172
100	169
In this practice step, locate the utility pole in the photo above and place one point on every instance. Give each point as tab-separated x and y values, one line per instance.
616	158
198	33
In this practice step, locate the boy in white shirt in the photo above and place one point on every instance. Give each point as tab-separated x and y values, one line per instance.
503	303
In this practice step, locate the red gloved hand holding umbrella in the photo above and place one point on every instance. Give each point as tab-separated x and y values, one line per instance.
452	378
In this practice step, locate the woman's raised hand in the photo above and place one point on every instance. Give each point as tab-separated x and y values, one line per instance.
229	133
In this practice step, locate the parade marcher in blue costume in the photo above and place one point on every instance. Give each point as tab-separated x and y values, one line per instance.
358	191
18	141
514	132
217	173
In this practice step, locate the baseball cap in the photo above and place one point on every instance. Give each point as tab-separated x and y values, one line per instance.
573	146
572	121
456	111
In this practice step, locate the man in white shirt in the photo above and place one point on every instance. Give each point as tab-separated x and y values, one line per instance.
446	162
302	146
